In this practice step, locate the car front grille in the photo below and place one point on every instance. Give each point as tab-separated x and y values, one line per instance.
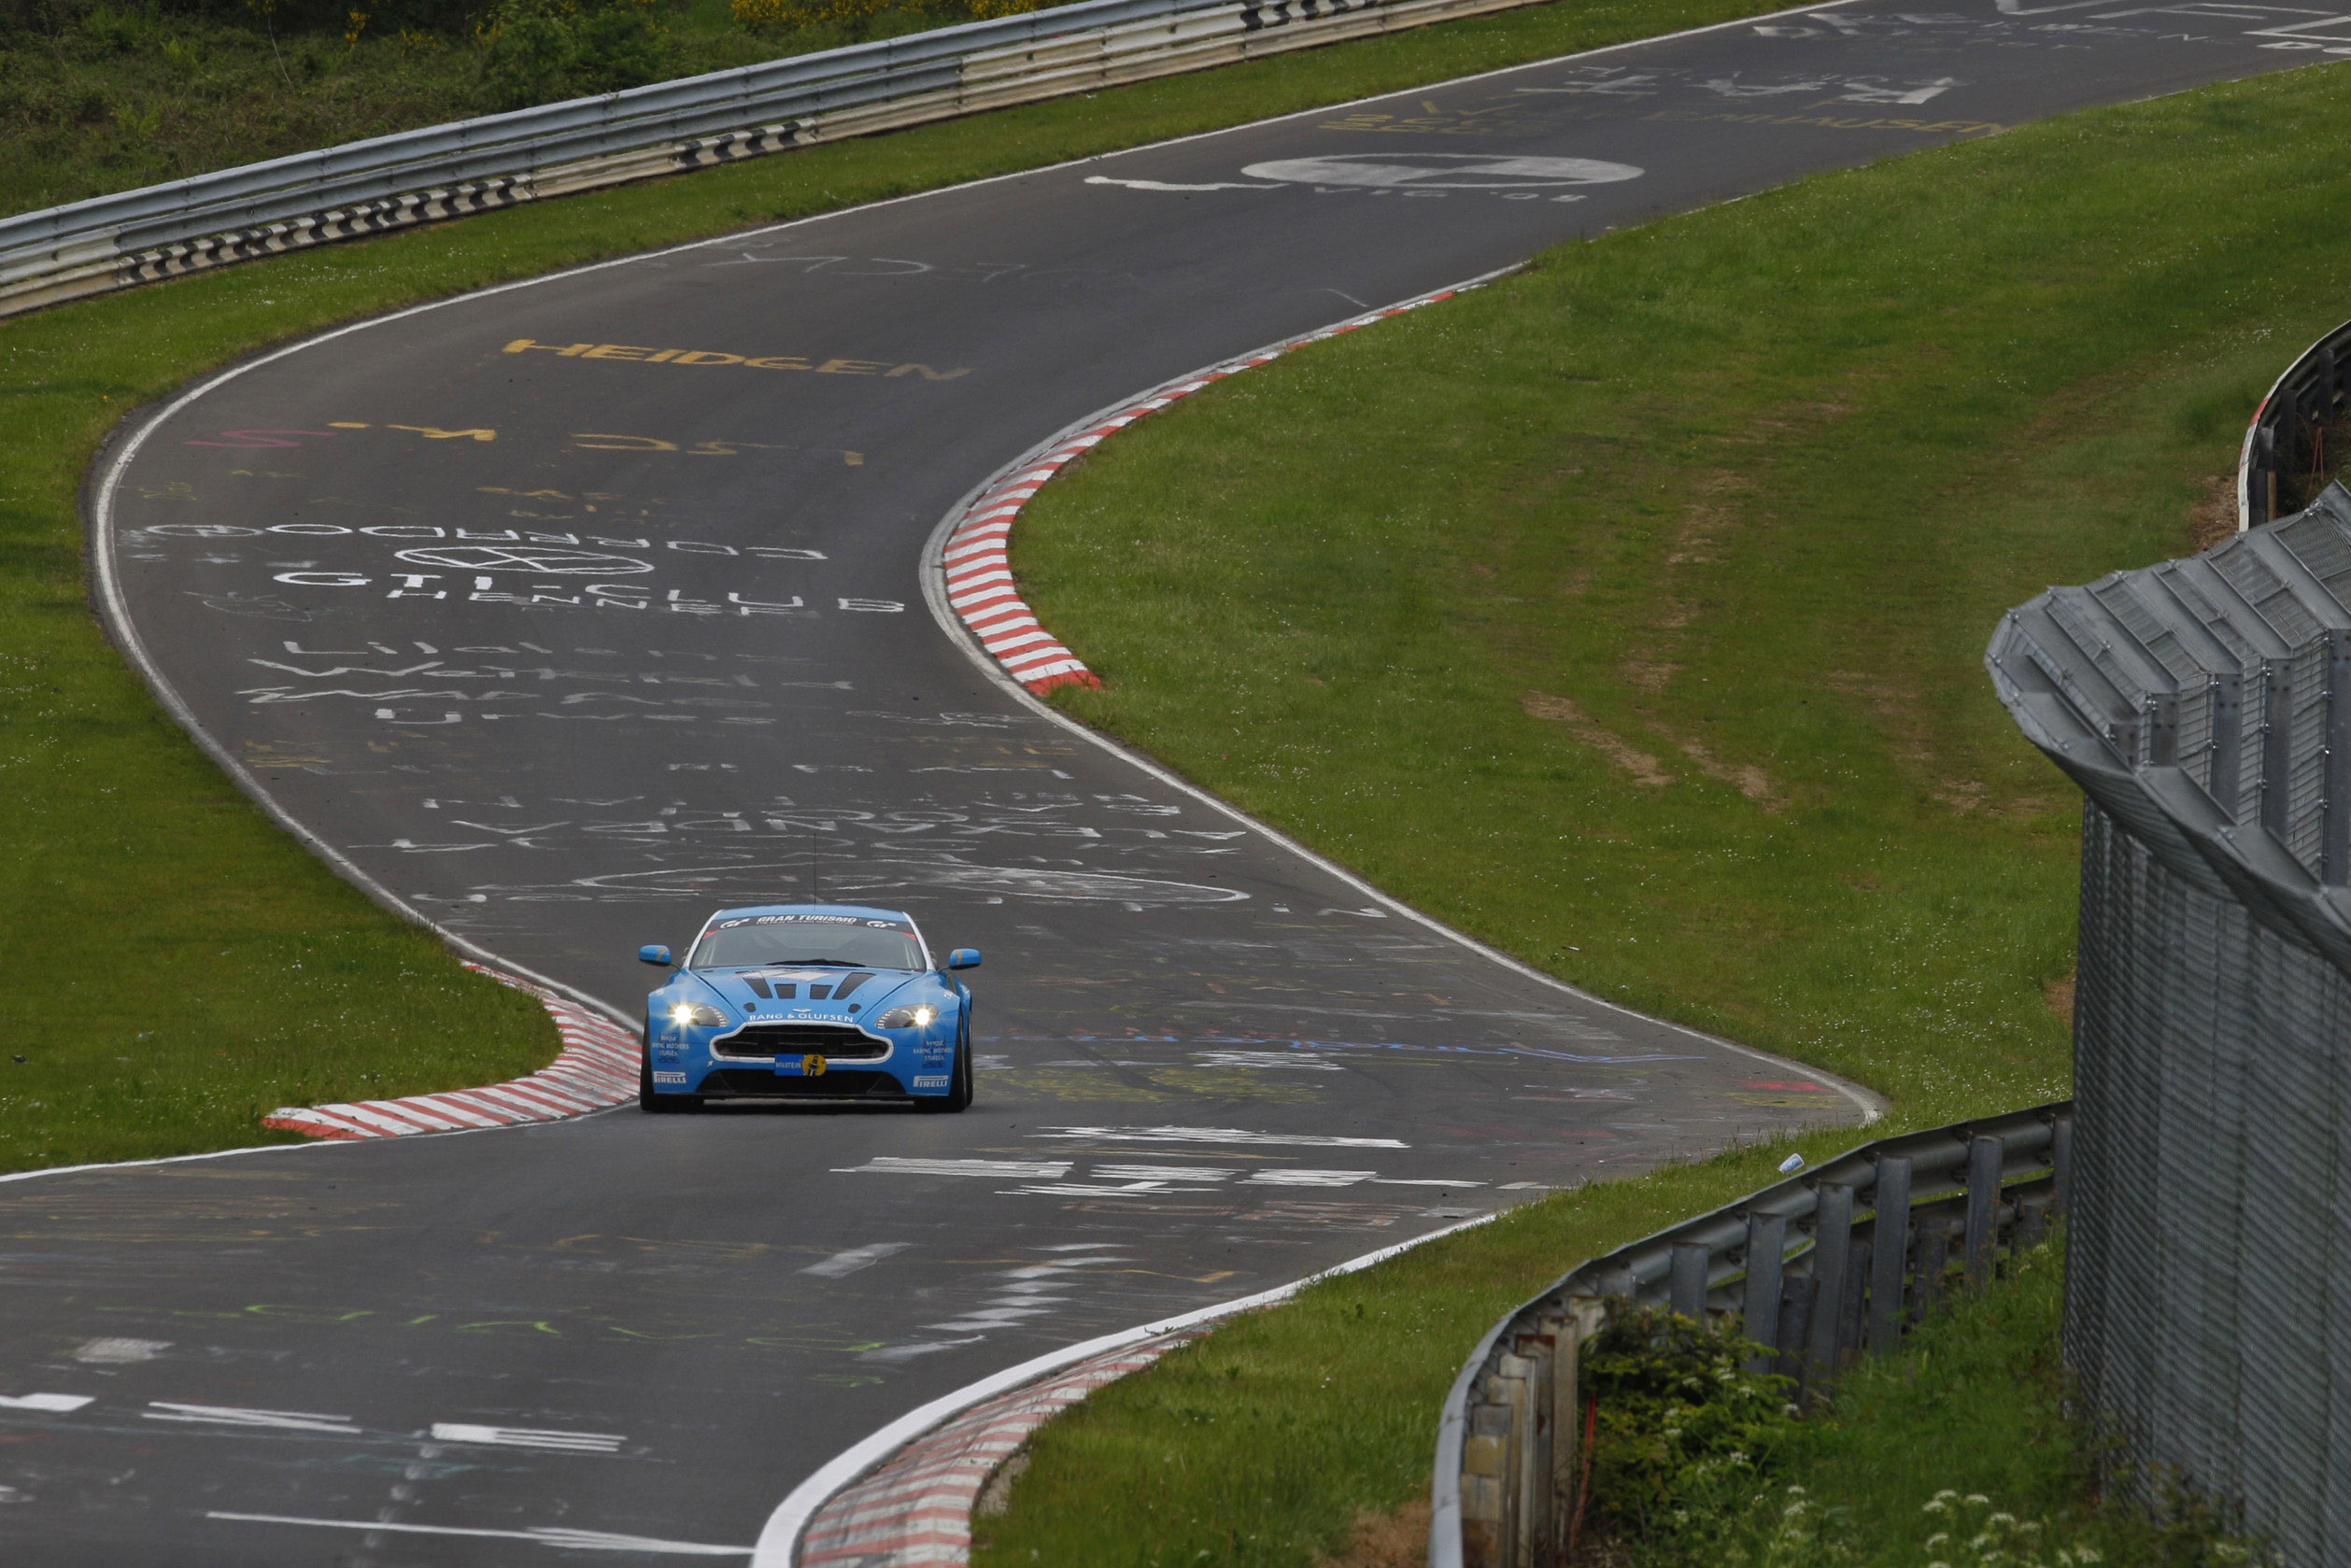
834	1042
750	1083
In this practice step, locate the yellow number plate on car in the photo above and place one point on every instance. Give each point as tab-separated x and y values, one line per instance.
812	1066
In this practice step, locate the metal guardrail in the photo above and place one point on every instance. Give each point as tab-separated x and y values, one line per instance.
1821	1269
474	165
2285	458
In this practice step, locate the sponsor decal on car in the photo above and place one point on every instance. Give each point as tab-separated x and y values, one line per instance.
808	920
669	1077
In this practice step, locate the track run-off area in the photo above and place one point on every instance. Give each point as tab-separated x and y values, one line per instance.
563	613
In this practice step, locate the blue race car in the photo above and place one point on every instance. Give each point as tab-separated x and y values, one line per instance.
808	1001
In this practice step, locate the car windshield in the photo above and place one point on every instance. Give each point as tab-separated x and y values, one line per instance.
860	944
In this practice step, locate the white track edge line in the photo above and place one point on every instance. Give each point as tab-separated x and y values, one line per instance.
289	1147
779	1540
932	574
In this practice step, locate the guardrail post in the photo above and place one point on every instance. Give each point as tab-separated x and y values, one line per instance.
1832	1255
1509	1389
1566	1429
1853	1333
1889	1252
1933	1261
1484	1472
1796	1325
2264	488
2061	1159
1536	1528
1984	1157
1767	1247
1686	1295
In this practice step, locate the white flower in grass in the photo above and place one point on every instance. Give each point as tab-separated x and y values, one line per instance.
1979	1498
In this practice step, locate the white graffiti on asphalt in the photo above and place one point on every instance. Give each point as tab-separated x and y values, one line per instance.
1443	171
538	562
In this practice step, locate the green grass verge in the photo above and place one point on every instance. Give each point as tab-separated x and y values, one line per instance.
183	966
1973	1406
1629	614
1963	1447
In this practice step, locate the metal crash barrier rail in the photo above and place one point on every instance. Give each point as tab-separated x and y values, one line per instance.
1820	1268
2283	462
557	150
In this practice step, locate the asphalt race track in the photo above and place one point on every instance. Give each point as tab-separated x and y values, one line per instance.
568	611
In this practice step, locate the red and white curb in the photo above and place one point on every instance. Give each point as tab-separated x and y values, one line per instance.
596	1070
916	1509
978	572
893	1498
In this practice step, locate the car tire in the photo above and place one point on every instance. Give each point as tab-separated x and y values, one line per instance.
958	1095
660	1105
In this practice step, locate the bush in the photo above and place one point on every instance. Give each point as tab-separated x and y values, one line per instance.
1679	1419
542	51
859	16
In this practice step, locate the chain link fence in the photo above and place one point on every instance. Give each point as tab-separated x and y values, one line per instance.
2203	706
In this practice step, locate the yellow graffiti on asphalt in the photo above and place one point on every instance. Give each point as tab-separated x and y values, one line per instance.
638	354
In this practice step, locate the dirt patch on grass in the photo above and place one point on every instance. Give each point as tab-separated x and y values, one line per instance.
1397	1540
1646	677
1896	709
1711	514
2059	994
2214	516
1637	765
1747	778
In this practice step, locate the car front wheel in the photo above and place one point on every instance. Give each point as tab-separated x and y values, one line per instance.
659	1105
958	1095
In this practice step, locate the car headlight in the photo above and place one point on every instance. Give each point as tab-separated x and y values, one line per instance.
917	1017
699	1015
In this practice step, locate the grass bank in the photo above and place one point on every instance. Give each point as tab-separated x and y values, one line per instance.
1636	626
182	966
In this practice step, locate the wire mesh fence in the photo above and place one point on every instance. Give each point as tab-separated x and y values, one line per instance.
2204	708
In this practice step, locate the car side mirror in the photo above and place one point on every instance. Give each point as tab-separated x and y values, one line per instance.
964	958
652	953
